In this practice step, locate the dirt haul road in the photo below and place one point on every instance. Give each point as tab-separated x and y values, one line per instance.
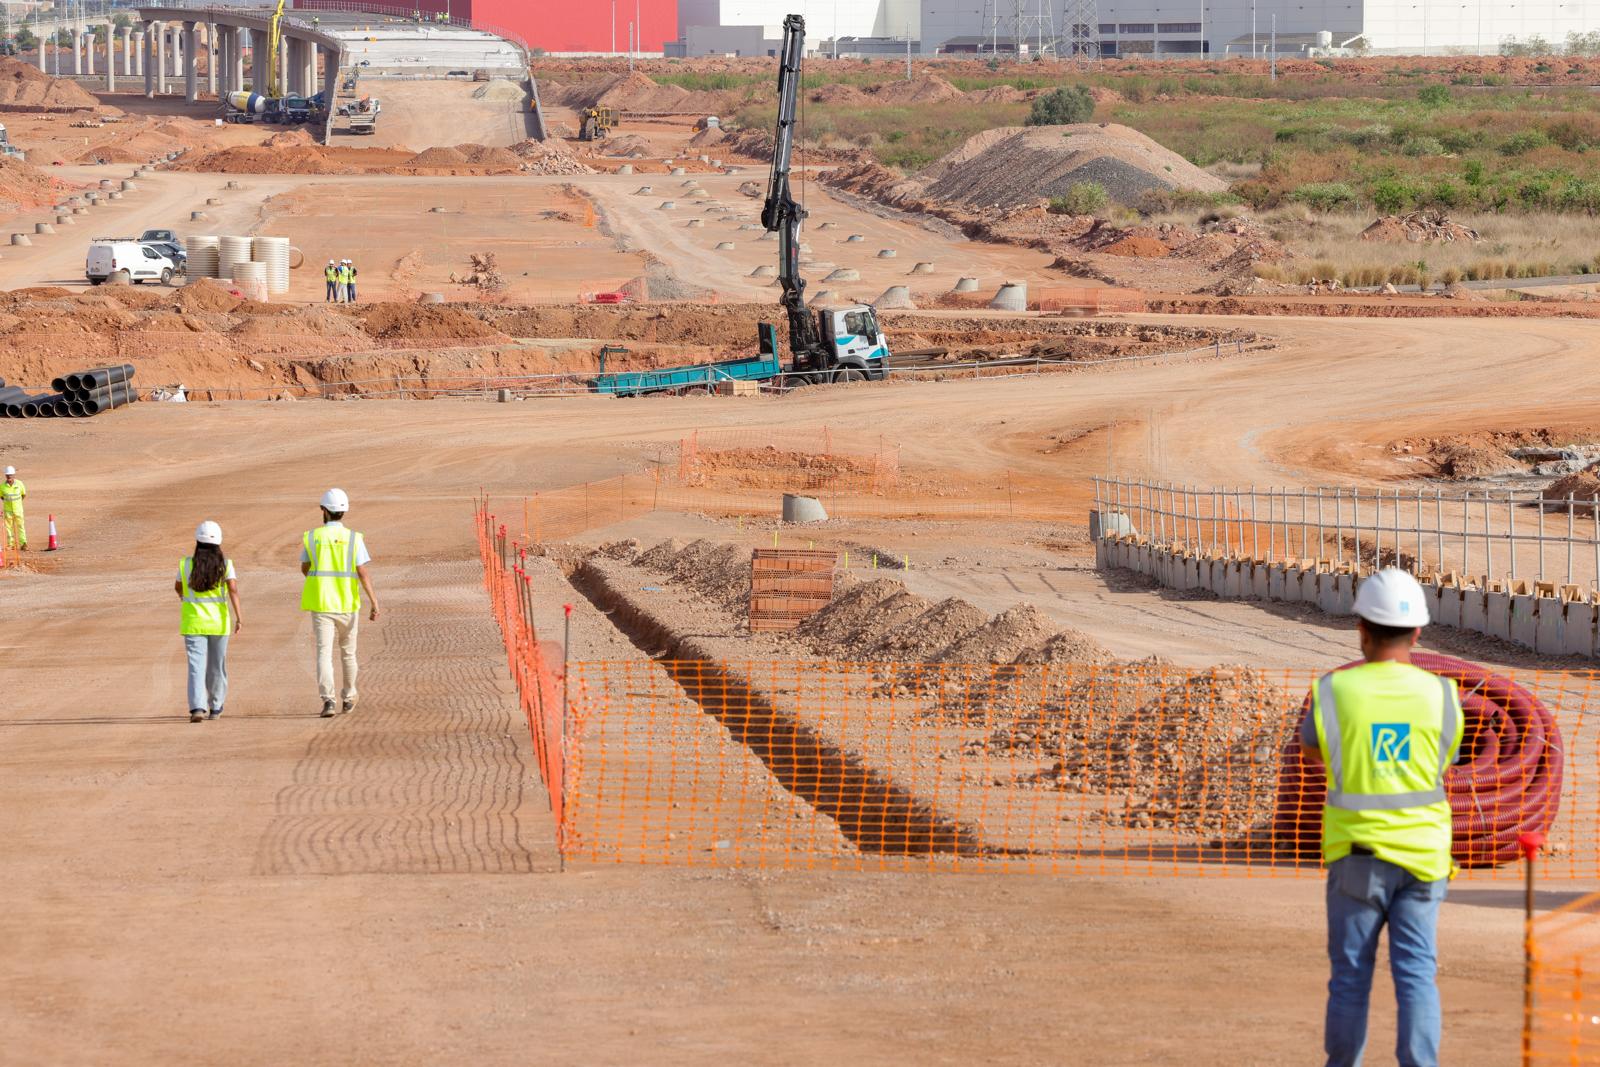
423	114
381	888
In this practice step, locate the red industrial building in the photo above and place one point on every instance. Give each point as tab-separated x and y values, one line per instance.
553	25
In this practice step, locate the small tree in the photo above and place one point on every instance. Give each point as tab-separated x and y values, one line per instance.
1082	198
1433	95
1062	107
26	39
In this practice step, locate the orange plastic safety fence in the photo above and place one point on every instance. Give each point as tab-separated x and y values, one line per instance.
1564	979
1096	769
534	667
1086	298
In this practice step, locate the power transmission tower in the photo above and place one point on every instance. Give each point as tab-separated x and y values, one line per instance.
1082	32
1038	30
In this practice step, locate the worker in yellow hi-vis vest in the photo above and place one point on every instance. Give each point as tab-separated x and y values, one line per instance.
209	592
1386	732
334	561
12	494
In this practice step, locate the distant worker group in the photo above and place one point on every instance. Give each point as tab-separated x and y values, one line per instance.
341	278
333	562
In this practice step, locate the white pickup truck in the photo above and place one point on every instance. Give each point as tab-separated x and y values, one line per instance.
139	261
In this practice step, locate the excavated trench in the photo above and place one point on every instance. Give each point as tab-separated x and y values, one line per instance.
877	815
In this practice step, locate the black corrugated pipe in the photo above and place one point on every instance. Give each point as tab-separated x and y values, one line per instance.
99	377
78	408
14	411
63	408
60	384
105	399
12	394
36	406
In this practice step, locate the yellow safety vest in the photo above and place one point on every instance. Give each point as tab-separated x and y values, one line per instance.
204	613
331	273
332	583
12	494
1387	733
344	274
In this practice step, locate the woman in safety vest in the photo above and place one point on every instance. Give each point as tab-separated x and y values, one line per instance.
210	597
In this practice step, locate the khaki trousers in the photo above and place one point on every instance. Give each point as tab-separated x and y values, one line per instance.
330	628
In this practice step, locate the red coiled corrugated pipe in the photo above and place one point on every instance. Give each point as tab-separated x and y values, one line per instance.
1508	782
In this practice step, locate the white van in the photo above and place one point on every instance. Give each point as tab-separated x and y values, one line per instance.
141	262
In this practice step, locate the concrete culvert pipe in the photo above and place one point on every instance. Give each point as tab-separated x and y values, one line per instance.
967	285
65	220
896	296
689	183
198	216
128	186
704	159
91	198
803	509
644	190
626	168
844	274
695	224
854	239
766	270
232	185
827	225
213	201
724	246
887	253
921	268
1011	296
80	211
113	195
667	205
824	297
43	227
677	170
21	239
107	183
431	298
748	226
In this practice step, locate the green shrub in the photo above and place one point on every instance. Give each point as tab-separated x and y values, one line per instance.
1062	107
1457	142
1325	196
1082	198
1446	193
1433	96
1422	146
1393	195
1522	143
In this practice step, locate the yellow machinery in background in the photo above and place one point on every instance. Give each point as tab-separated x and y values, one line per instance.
596	123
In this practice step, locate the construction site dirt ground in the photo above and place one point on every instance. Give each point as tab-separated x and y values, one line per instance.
271	886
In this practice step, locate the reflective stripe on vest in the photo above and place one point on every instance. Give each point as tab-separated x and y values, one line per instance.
203	613
1449	725
333	583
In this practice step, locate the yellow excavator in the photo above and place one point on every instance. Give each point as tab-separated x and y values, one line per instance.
274	43
596	123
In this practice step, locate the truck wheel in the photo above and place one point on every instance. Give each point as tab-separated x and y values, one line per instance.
849	375
96	281
166	275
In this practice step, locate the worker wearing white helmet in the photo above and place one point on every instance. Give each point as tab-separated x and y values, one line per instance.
334	561
350	273
1386	731
209	594
331	274
12	494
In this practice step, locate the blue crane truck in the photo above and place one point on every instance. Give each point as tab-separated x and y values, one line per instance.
844	344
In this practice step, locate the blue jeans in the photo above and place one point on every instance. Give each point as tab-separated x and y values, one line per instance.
208	671
1364	894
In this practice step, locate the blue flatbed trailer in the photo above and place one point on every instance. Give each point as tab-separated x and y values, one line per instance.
766	365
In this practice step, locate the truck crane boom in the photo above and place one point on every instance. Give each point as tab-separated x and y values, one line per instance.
781	213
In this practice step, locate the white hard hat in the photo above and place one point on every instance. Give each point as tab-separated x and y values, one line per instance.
208	533
1392	598
11	470
336	500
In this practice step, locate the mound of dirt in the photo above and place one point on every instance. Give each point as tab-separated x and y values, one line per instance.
924	89
23	186
207	294
25	85
425	322
921	639
861	617
288	138
1465	460
1137	247
1418	227
438	156
627	146
718	571
298	159
708	138
548	157
1580	485
1002	639
1013	165
502	89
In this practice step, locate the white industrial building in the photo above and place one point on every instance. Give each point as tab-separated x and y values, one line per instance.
755	27
1138	27
1238	27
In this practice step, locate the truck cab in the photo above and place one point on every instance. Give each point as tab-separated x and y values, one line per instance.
856	348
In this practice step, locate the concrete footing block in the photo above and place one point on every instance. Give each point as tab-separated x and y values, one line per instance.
1523	619
1550	623
1497	615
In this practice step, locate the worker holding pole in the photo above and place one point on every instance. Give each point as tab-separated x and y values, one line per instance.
12	494
334	561
209	594
1386	731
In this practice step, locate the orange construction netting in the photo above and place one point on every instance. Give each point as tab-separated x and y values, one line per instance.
1561	1026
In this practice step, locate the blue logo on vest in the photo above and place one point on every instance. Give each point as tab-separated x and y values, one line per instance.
1391	742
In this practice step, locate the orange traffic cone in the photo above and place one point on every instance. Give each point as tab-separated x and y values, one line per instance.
54	544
